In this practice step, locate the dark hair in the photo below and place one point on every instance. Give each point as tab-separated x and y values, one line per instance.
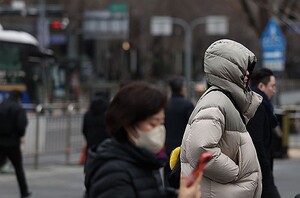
15	95
176	84
133	103
251	64
261	76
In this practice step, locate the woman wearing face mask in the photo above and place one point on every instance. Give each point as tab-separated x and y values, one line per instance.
126	164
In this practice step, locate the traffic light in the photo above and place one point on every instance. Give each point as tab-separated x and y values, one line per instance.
59	24
56	25
58	31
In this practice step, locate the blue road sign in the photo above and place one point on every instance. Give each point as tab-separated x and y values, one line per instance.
273	46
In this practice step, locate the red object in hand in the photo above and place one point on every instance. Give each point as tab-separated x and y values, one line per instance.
203	160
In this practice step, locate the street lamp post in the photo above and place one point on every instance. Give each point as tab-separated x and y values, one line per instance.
188	29
161	25
43	38
41	24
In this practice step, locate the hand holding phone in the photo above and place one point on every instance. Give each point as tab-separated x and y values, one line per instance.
204	158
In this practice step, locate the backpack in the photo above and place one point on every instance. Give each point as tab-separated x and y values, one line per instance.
174	177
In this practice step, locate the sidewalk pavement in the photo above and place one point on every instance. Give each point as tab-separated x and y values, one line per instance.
54	180
67	181
287	174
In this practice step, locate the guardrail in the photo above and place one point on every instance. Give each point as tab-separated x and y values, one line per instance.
54	128
57	129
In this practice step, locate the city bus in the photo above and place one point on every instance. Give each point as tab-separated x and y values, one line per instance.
21	65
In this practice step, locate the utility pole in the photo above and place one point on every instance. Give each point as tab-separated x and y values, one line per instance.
43	37
161	26
188	40
41	24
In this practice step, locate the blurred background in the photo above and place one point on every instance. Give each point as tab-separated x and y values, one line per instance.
96	45
61	52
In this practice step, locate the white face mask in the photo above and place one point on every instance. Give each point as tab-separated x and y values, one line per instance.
153	140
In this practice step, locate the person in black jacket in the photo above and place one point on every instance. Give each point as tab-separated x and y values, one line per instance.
126	165
13	122
93	129
261	128
94	122
178	112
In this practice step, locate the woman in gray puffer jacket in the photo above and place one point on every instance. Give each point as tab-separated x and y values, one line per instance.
217	125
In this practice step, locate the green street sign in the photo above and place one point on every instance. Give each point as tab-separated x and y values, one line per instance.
118	7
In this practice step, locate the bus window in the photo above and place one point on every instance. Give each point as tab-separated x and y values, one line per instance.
10	63
20	65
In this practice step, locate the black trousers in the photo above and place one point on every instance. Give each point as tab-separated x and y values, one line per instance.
13	153
2	160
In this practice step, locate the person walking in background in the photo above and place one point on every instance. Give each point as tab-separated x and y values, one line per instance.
94	129
218	125
13	122
126	164
261	128
178	112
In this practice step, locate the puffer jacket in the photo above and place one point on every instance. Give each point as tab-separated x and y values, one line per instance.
216	126
115	169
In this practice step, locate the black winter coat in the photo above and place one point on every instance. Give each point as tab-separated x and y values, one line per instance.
94	123
177	115
13	122
260	128
115	169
